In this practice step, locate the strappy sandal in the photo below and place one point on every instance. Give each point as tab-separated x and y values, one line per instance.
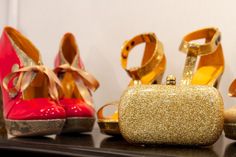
151	71
211	63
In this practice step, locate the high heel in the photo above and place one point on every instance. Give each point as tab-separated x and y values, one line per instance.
2	123
211	64
77	84
230	115
30	90
210	67
151	72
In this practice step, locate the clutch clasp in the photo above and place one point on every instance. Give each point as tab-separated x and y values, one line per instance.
170	80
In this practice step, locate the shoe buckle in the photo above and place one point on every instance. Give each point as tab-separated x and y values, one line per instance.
193	48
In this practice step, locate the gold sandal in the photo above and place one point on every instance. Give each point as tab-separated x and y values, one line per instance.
230	115
151	71
211	64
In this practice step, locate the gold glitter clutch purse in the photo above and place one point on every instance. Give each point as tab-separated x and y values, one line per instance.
166	114
187	114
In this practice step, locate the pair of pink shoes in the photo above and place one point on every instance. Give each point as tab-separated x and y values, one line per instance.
37	100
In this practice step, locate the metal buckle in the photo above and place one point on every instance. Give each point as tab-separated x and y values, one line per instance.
193	48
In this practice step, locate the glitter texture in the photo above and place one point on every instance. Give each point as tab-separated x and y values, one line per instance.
189	68
167	114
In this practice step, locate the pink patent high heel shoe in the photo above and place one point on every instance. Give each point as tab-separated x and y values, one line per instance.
77	86
29	89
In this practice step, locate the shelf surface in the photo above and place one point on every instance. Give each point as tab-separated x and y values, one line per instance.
97	144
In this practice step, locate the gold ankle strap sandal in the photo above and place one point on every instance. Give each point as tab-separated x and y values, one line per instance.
153	62
187	114
211	63
151	72
230	115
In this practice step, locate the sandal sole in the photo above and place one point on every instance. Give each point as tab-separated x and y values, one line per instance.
78	125
109	127
230	130
34	127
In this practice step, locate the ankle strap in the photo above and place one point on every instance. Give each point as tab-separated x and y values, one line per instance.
136	73
212	36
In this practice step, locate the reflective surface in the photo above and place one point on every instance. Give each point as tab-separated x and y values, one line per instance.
97	144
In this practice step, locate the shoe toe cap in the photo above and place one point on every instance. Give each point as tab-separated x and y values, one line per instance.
77	108
36	109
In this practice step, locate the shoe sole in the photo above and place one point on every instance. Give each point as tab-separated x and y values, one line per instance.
109	128
230	130
34	127
78	125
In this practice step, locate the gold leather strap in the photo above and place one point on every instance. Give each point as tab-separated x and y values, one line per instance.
100	113
212	38
150	60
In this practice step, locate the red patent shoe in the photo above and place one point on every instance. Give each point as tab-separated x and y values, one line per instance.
30	90
76	83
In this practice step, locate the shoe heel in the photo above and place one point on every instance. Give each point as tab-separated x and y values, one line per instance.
158	79
230	130
217	82
3	130
78	125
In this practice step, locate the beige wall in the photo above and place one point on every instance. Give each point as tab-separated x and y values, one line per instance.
101	26
3	13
